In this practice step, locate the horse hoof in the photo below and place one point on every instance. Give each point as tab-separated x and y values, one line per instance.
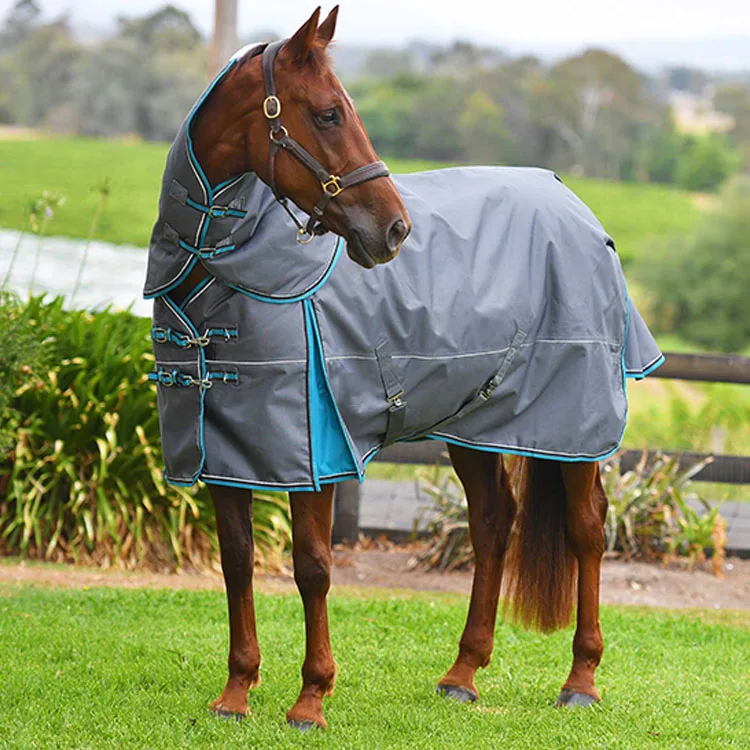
571	699
457	693
223	714
302	726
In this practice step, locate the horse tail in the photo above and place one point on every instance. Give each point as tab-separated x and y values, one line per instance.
540	571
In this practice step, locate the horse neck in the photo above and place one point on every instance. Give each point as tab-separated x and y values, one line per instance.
220	129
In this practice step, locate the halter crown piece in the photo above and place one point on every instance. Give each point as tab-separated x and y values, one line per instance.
331	184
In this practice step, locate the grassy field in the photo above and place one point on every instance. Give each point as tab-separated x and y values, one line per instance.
136	669
633	214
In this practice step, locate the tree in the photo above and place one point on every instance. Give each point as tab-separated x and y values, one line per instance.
699	284
144	80
22	19
734	100
484	136
595	105
705	163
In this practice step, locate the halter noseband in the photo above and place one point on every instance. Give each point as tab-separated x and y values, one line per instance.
332	184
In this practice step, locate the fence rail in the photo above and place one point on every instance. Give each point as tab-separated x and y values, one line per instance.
710	368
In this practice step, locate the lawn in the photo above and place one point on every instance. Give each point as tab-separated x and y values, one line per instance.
108	668
634	214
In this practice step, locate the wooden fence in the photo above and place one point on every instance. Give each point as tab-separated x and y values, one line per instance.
710	368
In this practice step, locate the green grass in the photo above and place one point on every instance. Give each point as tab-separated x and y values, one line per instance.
633	214
136	669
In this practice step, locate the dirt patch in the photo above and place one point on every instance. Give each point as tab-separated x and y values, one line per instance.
622	583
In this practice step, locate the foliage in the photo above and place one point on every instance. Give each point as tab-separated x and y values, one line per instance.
22	351
84	480
115	668
591	113
650	514
649	517
141	80
708	418
705	163
699	284
449	544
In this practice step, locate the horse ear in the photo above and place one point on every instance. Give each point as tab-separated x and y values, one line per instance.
299	46
327	29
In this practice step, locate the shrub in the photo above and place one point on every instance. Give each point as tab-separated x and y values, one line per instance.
21	352
705	163
650	516
83	481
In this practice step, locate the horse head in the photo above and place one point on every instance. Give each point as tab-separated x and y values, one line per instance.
285	116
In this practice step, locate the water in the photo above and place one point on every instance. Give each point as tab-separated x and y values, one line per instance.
113	275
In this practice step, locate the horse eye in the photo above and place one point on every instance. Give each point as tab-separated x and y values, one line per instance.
328	117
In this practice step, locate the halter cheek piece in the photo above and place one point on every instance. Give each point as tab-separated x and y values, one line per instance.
332	184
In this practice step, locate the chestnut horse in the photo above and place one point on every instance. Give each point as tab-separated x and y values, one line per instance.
558	526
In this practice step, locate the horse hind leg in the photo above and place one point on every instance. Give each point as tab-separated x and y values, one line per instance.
311	552
491	513
586	509
235	528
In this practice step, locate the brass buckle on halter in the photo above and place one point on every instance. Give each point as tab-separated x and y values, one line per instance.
333	182
272	100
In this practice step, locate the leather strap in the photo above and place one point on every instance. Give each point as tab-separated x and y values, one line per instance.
331	184
393	387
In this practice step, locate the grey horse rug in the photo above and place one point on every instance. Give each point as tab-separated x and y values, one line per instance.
503	325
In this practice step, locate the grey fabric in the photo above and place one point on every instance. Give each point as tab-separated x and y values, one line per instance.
504	324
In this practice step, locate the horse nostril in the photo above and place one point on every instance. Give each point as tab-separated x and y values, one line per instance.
397	233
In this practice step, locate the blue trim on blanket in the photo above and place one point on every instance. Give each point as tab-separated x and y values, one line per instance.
644	373
193	112
183	275
254	486
298	298
203	372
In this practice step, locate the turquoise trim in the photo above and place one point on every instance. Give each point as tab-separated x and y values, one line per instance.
526	453
640	375
216	212
203	372
205	252
254	486
303	296
332	453
183	275
196	107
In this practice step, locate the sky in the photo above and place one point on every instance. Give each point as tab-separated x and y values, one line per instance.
493	22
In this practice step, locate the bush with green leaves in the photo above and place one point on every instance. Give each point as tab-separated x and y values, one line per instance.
83	481
699	285
21	352
705	162
651	515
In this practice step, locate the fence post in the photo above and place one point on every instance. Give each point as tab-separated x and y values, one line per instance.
346	512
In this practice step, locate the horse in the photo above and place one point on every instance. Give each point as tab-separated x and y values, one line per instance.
286	118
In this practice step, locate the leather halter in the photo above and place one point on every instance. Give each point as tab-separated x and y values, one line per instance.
332	184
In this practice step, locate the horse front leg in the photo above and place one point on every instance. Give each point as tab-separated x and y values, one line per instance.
491	513
311	552
235	528
586	511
